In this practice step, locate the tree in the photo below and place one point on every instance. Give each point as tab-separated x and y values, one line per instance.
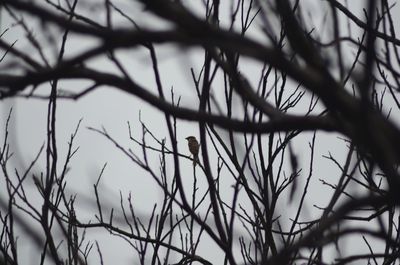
274	86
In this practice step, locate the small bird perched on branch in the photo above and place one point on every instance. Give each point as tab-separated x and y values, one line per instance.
194	146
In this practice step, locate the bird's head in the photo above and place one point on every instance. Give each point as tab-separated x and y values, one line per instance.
189	138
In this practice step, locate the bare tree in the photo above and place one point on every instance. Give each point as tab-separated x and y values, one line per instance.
272	81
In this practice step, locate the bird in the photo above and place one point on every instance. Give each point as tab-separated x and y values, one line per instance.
194	146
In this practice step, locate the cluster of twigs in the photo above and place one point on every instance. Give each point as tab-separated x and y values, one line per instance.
311	79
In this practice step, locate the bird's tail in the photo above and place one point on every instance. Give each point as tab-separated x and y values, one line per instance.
195	160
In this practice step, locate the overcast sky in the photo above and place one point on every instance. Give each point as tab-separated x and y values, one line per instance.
112	109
